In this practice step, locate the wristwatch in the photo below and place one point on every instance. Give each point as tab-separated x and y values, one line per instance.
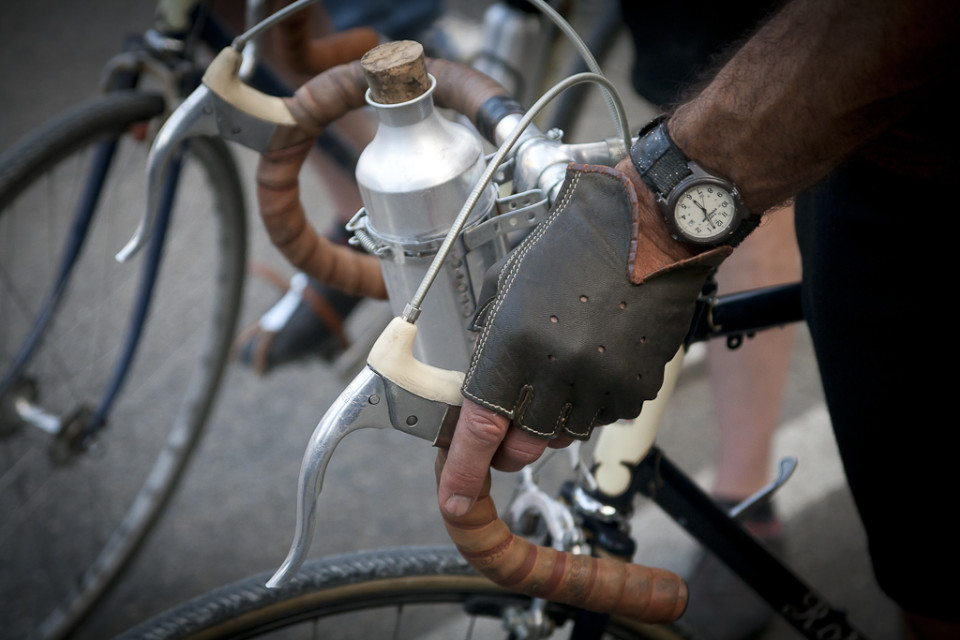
699	207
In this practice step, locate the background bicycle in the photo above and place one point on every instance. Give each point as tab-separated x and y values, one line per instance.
234	513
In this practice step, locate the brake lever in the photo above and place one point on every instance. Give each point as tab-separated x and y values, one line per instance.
221	106
392	390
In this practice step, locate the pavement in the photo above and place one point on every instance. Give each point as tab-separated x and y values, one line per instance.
234	514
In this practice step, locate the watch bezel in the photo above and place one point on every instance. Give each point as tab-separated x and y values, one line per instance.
696	178
663	166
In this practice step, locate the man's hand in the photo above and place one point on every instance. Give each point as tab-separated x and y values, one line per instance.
577	323
484	439
576	327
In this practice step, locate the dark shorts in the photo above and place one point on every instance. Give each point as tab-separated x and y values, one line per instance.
676	42
877	253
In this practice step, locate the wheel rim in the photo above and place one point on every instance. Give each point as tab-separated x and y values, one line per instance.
58	517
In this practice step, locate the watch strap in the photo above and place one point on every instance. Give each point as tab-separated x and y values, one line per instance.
658	160
662	166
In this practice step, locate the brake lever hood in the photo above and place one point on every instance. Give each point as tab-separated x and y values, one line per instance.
221	106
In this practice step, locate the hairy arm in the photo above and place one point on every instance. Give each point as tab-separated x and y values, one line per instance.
814	83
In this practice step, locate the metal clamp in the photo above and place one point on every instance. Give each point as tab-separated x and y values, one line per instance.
382	246
526	210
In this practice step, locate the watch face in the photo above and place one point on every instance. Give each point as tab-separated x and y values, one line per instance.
705	213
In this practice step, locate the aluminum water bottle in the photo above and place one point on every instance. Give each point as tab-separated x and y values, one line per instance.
414	178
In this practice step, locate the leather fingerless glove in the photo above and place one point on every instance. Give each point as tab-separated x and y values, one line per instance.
570	335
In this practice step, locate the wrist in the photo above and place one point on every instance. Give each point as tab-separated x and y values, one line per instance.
724	141
705	145
654	246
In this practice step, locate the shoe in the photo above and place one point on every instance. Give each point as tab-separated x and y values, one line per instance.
722	606
308	321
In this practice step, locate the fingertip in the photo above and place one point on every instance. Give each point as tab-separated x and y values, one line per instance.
463	468
457	505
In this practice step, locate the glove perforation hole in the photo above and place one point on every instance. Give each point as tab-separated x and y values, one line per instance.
623	304
550	357
554	319
601	348
583	298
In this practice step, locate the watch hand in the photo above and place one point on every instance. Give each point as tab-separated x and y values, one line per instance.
706	214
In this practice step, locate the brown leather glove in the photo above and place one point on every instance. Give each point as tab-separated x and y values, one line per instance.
578	322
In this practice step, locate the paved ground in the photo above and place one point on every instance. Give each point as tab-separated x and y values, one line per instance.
234	514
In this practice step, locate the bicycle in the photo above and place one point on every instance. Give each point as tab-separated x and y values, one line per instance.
365	580
128	108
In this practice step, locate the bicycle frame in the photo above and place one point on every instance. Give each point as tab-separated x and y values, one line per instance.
652	474
78	431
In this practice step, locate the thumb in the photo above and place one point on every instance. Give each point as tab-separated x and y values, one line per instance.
476	439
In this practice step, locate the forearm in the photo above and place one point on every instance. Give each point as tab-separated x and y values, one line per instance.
816	82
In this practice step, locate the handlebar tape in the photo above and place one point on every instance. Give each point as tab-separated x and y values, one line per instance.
472	93
603	585
314	106
310	56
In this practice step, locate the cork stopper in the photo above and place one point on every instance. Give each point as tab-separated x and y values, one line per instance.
396	71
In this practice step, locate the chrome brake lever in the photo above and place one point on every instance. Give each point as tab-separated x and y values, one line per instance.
221	106
190	119
392	390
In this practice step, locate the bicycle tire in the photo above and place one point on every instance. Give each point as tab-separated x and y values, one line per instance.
72	527
359	586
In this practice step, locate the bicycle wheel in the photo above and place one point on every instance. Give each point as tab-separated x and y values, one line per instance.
402	592
75	506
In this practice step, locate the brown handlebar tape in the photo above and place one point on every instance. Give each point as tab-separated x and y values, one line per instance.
283	215
604	585
336	91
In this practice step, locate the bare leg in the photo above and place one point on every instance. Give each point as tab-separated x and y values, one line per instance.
748	382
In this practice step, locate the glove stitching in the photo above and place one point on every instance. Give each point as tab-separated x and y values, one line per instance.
562	418
590	425
513	268
510	272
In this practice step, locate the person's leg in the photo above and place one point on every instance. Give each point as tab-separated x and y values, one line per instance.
748	382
